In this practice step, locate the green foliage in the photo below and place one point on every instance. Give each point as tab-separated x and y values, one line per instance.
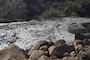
12	9
52	12
43	8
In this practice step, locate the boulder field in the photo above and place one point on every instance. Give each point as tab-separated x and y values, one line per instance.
47	50
52	39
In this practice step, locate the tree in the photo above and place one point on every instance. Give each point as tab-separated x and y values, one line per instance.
12	9
30	9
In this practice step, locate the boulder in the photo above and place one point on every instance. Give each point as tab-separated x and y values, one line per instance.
73	54
44	48
37	46
50	49
43	57
78	48
78	45
86	42
77	42
37	54
12	52
53	57
66	54
86	54
70	58
65	58
59	51
50	43
76	28
73	58
59	43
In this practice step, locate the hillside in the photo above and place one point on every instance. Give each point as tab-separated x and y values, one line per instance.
39	9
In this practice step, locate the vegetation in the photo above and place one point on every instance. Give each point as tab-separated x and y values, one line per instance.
29	9
11	9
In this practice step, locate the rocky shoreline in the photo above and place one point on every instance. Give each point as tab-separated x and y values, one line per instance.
47	50
62	39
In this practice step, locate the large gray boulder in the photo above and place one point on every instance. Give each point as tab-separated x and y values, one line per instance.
37	46
59	51
12	52
37	54
77	28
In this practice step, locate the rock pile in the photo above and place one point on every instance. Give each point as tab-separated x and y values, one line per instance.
44	50
12	52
